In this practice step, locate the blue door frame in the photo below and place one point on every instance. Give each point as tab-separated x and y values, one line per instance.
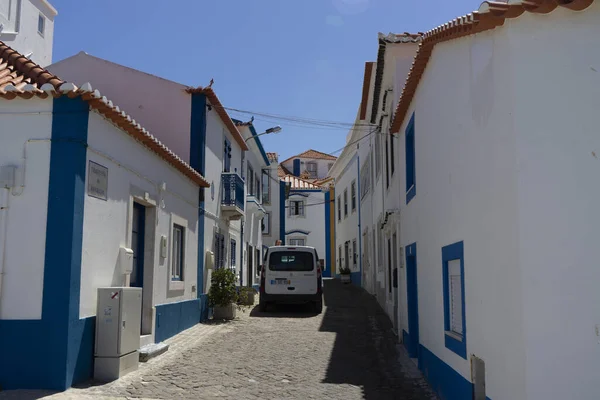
138	229
412	294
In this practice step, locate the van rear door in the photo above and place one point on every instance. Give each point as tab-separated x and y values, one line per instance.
291	271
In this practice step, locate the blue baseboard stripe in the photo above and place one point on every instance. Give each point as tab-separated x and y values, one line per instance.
173	318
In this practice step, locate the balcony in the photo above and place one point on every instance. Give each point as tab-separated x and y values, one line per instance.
232	196
254	206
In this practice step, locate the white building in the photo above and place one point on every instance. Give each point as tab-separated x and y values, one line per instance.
273	198
311	165
82	181
495	242
27	26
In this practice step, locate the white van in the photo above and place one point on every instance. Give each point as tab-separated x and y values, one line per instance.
292	275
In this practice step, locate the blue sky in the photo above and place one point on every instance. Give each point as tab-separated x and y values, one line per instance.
301	58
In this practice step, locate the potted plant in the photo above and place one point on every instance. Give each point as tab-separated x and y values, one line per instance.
222	295
345	274
246	296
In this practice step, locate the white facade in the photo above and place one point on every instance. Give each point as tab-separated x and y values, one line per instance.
314	167
271	202
28	27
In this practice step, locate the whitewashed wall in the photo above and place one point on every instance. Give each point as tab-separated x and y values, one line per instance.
21	28
133	171
139	94
346	228
556	124
313	220
273	207
22	287
216	132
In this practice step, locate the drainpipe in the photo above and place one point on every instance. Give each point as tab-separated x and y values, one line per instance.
4	195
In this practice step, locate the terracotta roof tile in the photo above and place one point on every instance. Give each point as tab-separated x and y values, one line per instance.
282	171
314	154
216	103
365	90
490	15
21	77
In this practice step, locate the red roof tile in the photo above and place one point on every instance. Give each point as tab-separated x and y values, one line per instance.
490	15
21	77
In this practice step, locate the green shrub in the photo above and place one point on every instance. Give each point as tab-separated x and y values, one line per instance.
344	271
222	288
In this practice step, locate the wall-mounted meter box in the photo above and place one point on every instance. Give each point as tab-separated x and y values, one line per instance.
163	246
126	260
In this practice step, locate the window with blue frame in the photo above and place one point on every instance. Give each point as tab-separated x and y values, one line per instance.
453	269
178	253
410	159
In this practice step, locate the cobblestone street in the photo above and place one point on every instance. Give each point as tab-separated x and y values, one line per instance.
347	352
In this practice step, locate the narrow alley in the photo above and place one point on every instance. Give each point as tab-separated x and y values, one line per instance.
347	352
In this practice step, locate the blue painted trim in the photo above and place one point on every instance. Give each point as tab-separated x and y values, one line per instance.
355	278
198	162
297	231
296	167
173	318
259	143
327	206
360	264
56	351
443	379
282	211
410	158
412	294
454	251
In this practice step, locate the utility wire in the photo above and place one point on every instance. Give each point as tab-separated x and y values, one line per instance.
297	119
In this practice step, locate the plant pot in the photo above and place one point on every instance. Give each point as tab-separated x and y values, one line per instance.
346	278
224	312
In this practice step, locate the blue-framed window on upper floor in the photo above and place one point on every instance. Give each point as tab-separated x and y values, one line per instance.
411	188
178	258
453	267
226	156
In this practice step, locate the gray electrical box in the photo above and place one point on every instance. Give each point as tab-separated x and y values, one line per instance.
118	320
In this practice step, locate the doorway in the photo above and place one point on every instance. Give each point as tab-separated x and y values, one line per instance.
250	253
412	344
395	283
138	231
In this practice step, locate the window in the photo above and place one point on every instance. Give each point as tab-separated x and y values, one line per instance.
347	254
389	254
410	160
226	156
178	253
353	195
297	208
387	162
257	187
233	250
250	180
454	298
41	24
377	153
345	203
219	250
354	253
266	224
291	261
392	157
296	242
339	201
311	167
365	177
266	186
340	257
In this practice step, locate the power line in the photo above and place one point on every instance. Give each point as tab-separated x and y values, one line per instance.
313	121
354	142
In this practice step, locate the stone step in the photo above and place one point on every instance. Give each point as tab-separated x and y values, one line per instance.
150	351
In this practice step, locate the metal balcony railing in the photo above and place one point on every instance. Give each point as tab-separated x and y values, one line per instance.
233	190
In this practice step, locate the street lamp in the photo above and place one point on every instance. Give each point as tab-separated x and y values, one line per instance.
275	129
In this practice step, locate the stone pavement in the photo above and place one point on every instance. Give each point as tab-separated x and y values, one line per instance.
348	352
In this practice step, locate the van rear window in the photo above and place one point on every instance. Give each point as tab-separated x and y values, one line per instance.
291	261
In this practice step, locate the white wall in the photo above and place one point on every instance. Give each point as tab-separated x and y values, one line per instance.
133	170
313	220
216	132
346	228
20	20
273	207
161	106
22	287
466	191
556	120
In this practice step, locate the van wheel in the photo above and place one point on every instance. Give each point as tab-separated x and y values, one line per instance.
318	306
